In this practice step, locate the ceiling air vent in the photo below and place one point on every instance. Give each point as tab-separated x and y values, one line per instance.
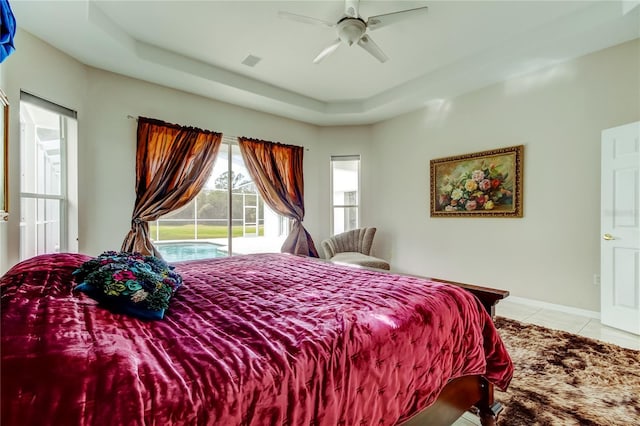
251	61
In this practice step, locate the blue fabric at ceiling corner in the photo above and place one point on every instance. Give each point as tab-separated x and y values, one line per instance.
7	30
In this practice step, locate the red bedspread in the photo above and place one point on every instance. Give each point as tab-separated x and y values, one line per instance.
249	340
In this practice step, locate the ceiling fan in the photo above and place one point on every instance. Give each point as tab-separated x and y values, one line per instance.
352	28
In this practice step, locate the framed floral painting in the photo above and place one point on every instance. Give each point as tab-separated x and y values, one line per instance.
487	183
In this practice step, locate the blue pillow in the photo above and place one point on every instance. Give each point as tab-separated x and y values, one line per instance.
129	283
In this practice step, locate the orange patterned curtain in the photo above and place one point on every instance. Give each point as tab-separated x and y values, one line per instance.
276	170
172	165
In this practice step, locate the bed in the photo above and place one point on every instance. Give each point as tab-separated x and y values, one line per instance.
266	339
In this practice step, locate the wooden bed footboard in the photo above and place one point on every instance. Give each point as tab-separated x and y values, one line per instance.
489	297
468	393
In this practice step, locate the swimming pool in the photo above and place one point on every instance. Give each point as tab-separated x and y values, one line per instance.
191	250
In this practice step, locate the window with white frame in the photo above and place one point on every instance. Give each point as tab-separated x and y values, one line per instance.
45	129
345	192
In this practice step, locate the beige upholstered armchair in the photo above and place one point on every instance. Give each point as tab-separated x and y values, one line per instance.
353	247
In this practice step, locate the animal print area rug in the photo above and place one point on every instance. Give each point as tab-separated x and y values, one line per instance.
564	379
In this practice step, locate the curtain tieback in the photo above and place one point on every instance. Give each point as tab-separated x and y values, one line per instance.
136	221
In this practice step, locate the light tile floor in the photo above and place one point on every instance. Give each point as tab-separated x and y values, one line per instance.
576	324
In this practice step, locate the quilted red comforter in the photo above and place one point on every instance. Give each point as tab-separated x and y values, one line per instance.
249	340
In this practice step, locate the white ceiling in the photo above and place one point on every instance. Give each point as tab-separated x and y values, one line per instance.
198	47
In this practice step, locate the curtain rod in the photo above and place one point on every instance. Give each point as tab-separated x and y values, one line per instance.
131	117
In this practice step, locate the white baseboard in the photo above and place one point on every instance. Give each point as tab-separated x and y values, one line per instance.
553	306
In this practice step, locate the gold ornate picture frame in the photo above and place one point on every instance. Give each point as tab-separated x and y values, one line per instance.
487	183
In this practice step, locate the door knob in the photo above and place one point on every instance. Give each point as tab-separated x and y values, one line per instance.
608	237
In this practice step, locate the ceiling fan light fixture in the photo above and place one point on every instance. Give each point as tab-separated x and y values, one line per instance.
350	30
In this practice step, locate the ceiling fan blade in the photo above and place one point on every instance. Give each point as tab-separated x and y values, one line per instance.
327	51
304	19
351	8
379	21
367	44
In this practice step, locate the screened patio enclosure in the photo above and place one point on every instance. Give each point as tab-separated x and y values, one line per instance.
228	213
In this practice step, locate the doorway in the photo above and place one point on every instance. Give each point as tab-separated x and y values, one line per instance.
620	228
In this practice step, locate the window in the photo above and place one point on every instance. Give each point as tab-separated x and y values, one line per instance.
345	192
227	217
45	130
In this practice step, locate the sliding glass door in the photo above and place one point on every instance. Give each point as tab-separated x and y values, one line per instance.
227	217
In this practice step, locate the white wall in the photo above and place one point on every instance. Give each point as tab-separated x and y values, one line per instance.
552	253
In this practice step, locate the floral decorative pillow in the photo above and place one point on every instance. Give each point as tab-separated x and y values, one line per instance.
129	283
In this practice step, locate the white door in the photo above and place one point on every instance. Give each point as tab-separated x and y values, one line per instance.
620	228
